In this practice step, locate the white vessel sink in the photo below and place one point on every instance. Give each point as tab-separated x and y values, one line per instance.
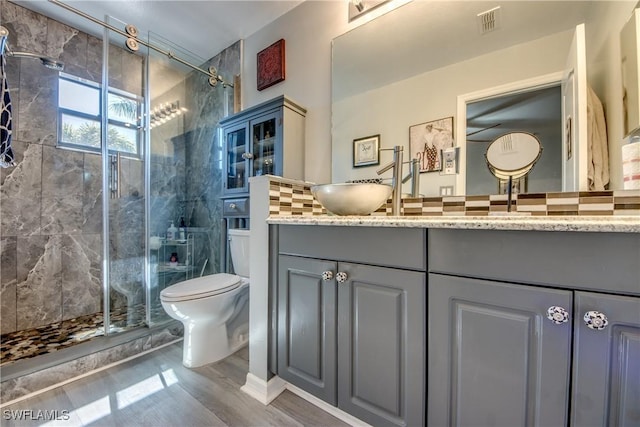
351	198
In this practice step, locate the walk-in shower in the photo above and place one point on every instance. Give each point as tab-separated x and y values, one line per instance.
76	225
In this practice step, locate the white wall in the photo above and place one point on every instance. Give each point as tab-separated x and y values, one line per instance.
308	30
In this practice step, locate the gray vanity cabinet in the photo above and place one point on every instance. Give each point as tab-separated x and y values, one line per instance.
494	358
606	368
349	332
381	344
307	313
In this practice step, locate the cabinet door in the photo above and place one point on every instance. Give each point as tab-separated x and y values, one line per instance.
381	345
307	325
236	162
606	370
265	135
494	358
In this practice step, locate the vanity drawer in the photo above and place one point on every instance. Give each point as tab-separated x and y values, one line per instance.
235	207
389	247
605	262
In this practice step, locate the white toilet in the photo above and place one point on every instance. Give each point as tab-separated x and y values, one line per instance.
214	309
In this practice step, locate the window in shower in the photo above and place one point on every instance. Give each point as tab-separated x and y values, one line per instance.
79	115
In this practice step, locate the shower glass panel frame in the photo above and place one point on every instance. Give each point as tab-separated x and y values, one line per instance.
124	191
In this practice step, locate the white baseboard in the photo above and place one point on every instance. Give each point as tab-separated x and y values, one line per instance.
338	413
263	391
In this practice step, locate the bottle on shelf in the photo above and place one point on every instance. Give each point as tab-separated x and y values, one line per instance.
171	232
182	230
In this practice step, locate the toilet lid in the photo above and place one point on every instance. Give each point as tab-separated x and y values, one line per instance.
201	287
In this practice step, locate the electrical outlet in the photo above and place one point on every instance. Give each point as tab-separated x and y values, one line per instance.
446	190
449	156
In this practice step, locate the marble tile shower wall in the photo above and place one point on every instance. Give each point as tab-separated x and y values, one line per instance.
51	202
186	158
203	172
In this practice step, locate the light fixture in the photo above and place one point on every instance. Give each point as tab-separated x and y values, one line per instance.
165	112
358	8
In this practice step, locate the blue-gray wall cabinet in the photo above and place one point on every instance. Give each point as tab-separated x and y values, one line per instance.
264	139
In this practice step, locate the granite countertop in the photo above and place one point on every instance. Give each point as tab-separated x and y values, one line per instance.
609	224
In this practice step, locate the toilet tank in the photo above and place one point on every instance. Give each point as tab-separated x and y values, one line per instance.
239	244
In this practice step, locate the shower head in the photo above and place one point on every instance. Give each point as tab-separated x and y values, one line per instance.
50	63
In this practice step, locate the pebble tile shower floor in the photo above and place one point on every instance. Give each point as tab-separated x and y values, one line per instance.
29	343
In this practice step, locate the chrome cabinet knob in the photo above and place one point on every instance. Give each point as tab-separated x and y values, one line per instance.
595	320
327	275
247	156
557	314
341	277
232	206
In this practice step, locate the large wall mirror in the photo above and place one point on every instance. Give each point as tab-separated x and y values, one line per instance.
412	64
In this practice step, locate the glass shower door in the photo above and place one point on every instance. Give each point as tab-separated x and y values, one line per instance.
123	95
175	127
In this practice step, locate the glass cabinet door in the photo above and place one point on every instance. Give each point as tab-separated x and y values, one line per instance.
263	134
238	154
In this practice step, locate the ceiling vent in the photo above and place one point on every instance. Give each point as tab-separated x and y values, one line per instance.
489	21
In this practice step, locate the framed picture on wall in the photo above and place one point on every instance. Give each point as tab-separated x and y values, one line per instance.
271	65
366	151
427	140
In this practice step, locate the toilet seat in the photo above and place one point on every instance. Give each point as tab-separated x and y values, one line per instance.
201	287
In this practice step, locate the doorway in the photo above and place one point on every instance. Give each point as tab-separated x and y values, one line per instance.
533	106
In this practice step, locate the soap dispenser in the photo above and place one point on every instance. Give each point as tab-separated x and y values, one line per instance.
171	232
182	230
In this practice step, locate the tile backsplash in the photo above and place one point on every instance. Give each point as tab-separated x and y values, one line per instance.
290	199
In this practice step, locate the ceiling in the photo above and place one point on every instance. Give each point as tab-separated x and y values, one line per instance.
204	28
537	112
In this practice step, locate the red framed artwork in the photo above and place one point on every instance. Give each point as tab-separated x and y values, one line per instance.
271	65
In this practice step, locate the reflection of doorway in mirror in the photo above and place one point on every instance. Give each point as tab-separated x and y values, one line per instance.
427	140
533	107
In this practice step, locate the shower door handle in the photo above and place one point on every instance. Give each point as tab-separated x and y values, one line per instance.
118	176
114	175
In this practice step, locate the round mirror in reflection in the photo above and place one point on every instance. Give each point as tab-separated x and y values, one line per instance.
513	155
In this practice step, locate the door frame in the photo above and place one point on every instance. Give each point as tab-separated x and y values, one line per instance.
539	82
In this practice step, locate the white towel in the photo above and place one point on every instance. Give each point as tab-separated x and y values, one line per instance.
598	148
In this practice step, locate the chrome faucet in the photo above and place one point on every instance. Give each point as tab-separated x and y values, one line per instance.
414	175
396	182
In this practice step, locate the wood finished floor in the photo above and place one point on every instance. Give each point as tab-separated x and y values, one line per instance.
156	390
